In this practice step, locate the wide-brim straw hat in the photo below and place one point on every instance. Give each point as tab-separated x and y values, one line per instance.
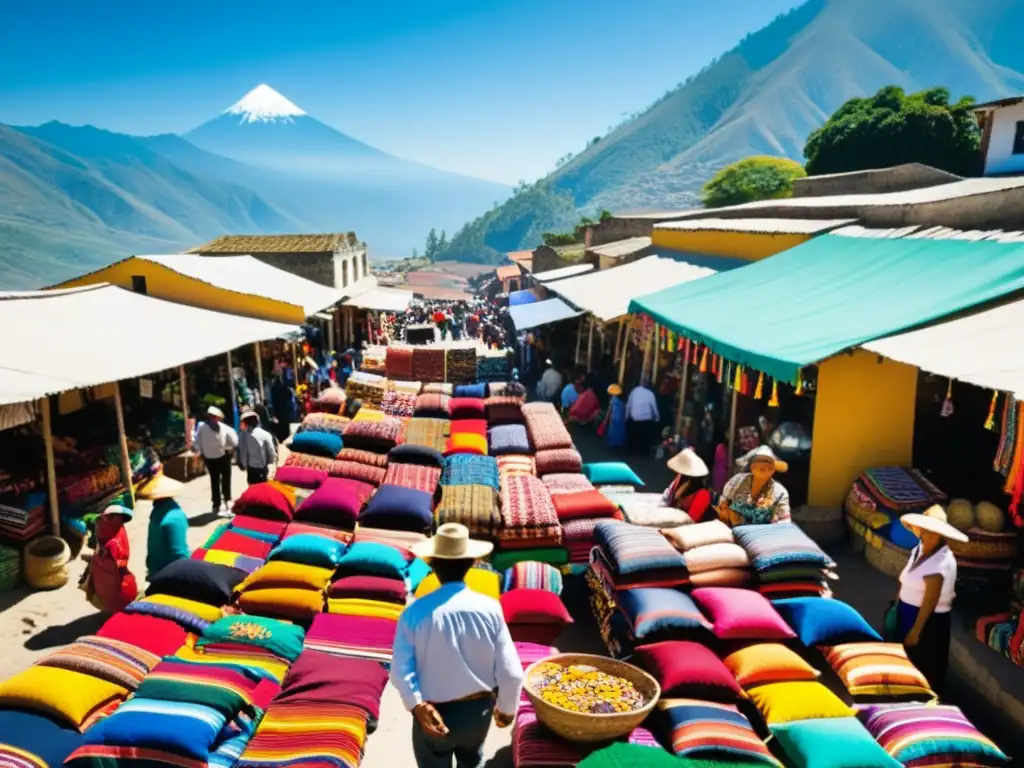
615	390
213	410
688	463
160	487
452	542
249	415
766	454
934	519
119	509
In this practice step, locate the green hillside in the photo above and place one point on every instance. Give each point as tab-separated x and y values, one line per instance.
764	97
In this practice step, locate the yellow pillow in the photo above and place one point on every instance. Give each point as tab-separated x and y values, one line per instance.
70	697
467	442
248	656
478	579
368	414
786	702
356	606
768	663
282	574
202	610
293	603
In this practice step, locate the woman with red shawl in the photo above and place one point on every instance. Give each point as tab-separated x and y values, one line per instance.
110	586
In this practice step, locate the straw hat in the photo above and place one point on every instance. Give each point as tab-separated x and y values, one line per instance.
118	509
213	410
615	390
248	415
452	542
160	487
933	519
688	463
764	453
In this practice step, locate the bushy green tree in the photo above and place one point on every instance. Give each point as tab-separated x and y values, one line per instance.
756	178
891	128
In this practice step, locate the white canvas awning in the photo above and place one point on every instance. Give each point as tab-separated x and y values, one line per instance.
606	294
563	272
526	316
981	348
246	274
381	300
54	341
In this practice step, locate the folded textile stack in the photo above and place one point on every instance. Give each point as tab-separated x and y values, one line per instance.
461	365
493	365
880	496
371	581
713	559
633	557
285	590
428	364
428	432
23	517
398	362
475	506
529	517
354	637
397	403
418	477
787	561
466	469
324	422
547	431
579	507
511	465
374	436
367	387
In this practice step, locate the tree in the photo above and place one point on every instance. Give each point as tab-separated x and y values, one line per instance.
430	250
442	242
756	178
892	128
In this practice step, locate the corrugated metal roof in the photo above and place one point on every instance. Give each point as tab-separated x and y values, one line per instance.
757	226
246	244
381	300
526	316
618	248
932	233
55	341
562	272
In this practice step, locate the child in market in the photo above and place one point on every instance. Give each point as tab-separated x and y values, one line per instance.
109	585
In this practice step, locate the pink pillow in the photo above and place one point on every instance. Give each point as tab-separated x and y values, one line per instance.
741	614
534	606
266	501
689	671
336	502
300	477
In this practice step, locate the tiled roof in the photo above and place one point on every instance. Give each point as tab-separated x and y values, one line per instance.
755	226
519	256
249	244
512	270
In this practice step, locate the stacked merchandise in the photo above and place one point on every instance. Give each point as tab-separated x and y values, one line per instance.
469	495
398	362
330	401
468	428
23	517
547	431
530	528
428	364
324	422
400	404
579	507
493	365
532	604
460	365
374	361
787	561
713	559
373	440
405	499
631	556
428	432
366	387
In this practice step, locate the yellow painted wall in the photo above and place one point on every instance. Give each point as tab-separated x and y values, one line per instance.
739	245
164	283
863	417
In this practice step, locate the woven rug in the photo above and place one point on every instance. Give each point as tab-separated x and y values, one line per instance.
398	362
428	364
461	365
430	433
475	506
415	476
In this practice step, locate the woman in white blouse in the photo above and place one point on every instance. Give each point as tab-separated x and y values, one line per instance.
927	589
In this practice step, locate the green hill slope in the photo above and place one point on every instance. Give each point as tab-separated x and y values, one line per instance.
764	97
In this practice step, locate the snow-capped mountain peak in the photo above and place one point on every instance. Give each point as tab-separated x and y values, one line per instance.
264	105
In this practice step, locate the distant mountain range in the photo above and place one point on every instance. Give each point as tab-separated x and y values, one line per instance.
75	198
764	97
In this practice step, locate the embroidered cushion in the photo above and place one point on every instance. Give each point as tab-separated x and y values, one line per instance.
280	638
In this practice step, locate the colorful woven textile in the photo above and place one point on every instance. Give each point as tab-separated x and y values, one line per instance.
493	368
428	432
878	670
363	457
558	460
461	365
189	614
533	575
306	461
32	740
114	661
514	466
527	512
508	439
378	436
401	540
415	476
778	544
533	745
465	469
433	405
702	729
567	482
356	637
633	549
428	364
475	506
398	362
927	735
321	677
547	431
227	689
579	539
315	734
398	403
324	422
355	470
504	410
901	490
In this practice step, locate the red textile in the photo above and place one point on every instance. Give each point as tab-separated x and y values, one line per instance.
161	637
267	501
474	426
323	677
259	525
583	504
111	585
369	588
229	541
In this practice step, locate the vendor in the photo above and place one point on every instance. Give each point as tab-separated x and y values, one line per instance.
613	428
109	585
755	497
689	491
927	589
167	537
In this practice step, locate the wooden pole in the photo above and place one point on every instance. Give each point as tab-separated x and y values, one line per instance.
259	368
657	356
234	394
624	355
682	392
619	338
590	344
122	439
51	467
183	383
647	356
579	341
732	434
295	362
330	334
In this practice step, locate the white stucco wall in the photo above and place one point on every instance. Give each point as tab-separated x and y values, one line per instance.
1000	158
355	260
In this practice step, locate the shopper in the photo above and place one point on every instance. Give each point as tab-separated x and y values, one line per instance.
643	421
216	441
167	537
256	451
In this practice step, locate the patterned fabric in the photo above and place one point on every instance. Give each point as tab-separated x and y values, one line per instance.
504	410
363	457
310	734
115	661
267	664
778	544
325	422
398	362
464	469
415	476
475	506
460	365
433	405
514	466
924	735
558	460
428	432
355	637
567	482
178	613
702	729
533	575
534	746
878	670
900	490
378	436
308	461
508	438
632	549
401	540
527	511
398	403
354	470
547	431
428	364
228	689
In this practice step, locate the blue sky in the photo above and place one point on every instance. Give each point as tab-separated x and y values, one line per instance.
492	88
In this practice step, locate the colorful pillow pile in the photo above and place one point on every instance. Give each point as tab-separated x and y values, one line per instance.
712	559
285	590
475	506
788	562
528	516
468	436
546	428
361	588
636	557
376	436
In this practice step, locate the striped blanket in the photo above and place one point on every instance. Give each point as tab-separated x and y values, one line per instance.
475	506
226	688
464	469
900	490
112	660
533	745
308	734
702	729
254	659
632	549
779	544
527	511
415	476
355	637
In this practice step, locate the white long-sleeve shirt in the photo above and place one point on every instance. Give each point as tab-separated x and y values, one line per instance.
213	444
642	405
256	449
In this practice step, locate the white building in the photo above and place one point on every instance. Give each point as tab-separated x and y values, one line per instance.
1002	135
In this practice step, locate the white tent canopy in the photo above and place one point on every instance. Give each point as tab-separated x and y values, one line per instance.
606	294
246	274
562	272
381	300
54	341
981	348
526	316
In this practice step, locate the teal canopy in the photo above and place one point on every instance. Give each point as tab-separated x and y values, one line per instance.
832	293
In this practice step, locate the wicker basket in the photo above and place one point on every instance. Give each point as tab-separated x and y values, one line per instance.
586	728
46	562
857	535
986	546
823	524
887	558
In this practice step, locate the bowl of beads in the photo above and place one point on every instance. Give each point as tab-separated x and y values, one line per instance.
589	699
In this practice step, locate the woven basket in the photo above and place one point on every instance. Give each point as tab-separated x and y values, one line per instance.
986	546
823	524
887	558
46	562
857	533
586	728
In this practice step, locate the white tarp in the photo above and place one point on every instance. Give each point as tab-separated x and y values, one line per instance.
245	274
606	294
562	272
381	299
526	316
981	348
55	341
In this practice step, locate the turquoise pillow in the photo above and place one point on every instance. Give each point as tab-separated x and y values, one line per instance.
611	473
418	571
309	549
374	558
835	742
824	621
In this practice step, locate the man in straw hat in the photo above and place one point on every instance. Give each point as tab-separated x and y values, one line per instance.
167	536
927	589
216	440
454	664
256	451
